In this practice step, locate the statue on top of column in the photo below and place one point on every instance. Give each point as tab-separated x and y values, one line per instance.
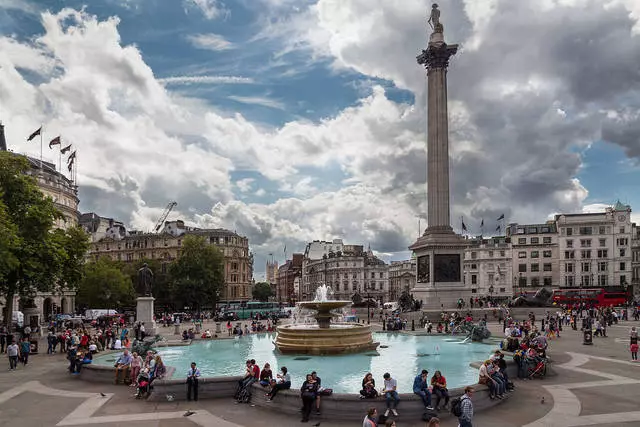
434	19
145	281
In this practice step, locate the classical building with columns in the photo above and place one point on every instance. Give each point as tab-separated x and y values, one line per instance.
165	246
488	268
402	277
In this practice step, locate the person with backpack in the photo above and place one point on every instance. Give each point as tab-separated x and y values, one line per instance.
462	408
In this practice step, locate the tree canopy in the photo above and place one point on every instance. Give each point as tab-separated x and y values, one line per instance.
35	257
197	275
262	291
105	285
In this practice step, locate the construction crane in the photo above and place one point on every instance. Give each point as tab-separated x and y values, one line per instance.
164	216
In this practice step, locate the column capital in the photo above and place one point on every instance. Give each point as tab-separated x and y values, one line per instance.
437	55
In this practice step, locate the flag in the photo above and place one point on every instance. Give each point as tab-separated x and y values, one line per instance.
464	226
65	149
54	141
501	217
498	228
72	157
70	166
34	134
482	223
285	249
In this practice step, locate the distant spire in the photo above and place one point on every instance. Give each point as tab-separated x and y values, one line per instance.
3	141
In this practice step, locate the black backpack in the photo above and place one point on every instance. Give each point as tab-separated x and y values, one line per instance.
456	407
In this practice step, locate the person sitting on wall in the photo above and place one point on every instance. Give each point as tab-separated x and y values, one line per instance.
368	387
123	364
283	383
421	388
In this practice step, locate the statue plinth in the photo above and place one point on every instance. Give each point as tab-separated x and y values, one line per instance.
144	313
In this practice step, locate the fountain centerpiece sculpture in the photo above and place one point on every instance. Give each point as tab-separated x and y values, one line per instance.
325	337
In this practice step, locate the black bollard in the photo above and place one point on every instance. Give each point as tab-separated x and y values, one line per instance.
413	324
587	337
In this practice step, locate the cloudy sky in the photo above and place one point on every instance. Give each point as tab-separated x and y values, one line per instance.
295	120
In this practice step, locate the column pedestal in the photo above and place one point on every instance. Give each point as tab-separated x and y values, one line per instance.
144	313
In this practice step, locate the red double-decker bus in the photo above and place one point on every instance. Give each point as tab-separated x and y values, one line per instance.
598	297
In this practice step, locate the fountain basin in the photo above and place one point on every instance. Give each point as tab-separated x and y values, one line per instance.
340	338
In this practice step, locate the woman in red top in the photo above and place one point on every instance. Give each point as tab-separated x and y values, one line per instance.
439	384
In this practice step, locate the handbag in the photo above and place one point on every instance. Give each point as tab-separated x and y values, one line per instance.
326	392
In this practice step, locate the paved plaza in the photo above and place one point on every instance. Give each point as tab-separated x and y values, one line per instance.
595	385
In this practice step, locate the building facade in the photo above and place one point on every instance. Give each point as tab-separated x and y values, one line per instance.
596	248
488	267
534	256
272	272
402	277
348	271
288	280
635	259
166	247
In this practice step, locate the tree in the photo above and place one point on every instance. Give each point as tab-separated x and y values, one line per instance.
197	275
38	259
104	285
262	291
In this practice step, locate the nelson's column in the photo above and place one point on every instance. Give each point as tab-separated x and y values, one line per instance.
439	251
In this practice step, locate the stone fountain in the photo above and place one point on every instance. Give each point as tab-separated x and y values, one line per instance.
324	337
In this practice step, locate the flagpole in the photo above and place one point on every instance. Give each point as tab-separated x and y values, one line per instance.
41	132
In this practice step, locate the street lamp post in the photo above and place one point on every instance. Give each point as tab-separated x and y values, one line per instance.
368	303
491	293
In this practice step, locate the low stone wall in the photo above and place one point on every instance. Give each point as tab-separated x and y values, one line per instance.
208	388
106	374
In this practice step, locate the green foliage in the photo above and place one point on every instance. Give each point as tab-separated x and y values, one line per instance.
262	291
34	256
197	276
105	285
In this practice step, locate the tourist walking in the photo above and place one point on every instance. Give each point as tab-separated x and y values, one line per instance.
391	394
371	418
192	382
12	352
466	406
25	349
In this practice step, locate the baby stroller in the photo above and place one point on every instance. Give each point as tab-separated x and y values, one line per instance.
539	370
144	384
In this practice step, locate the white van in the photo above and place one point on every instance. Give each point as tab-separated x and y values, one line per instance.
18	318
393	306
93	314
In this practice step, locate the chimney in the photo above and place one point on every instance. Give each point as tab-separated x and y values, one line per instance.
3	141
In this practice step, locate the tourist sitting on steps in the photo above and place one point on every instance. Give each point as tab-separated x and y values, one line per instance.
266	375
485	379
439	385
391	394
368	387
308	393
283	383
123	364
421	388
318	380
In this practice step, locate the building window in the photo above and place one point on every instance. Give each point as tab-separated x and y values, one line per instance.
535	240
568	268
623	241
569	231
621	230
602	253
601	230
602	280
535	254
623	280
623	266
522	268
585	243
522	281
382	275
547	267
545	230
570	243
569	255
547	281
585	267
490	254
623	252
585	254
585	231
373	275
603	266
535	268
502	253
546	240
569	281
522	254
532	230
522	241
474	255
535	281
520	230
474	291
474	266
503	290
546	254
474	279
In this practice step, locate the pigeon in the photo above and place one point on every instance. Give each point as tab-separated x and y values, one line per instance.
170	397
103	395
542	400
316	425
188	413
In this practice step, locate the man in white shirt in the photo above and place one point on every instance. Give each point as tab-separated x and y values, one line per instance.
391	394
12	352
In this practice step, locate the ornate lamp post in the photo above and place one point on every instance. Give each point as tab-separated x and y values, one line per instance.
491	293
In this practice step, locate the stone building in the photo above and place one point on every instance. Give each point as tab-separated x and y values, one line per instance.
635	259
535	260
64	194
348	271
288	280
488	267
596	248
166	246
402	277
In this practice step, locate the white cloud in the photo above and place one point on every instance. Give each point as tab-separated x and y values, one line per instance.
211	9
258	100
210	41
244	185
190	80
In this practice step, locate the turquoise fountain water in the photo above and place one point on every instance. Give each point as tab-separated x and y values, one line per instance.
401	355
